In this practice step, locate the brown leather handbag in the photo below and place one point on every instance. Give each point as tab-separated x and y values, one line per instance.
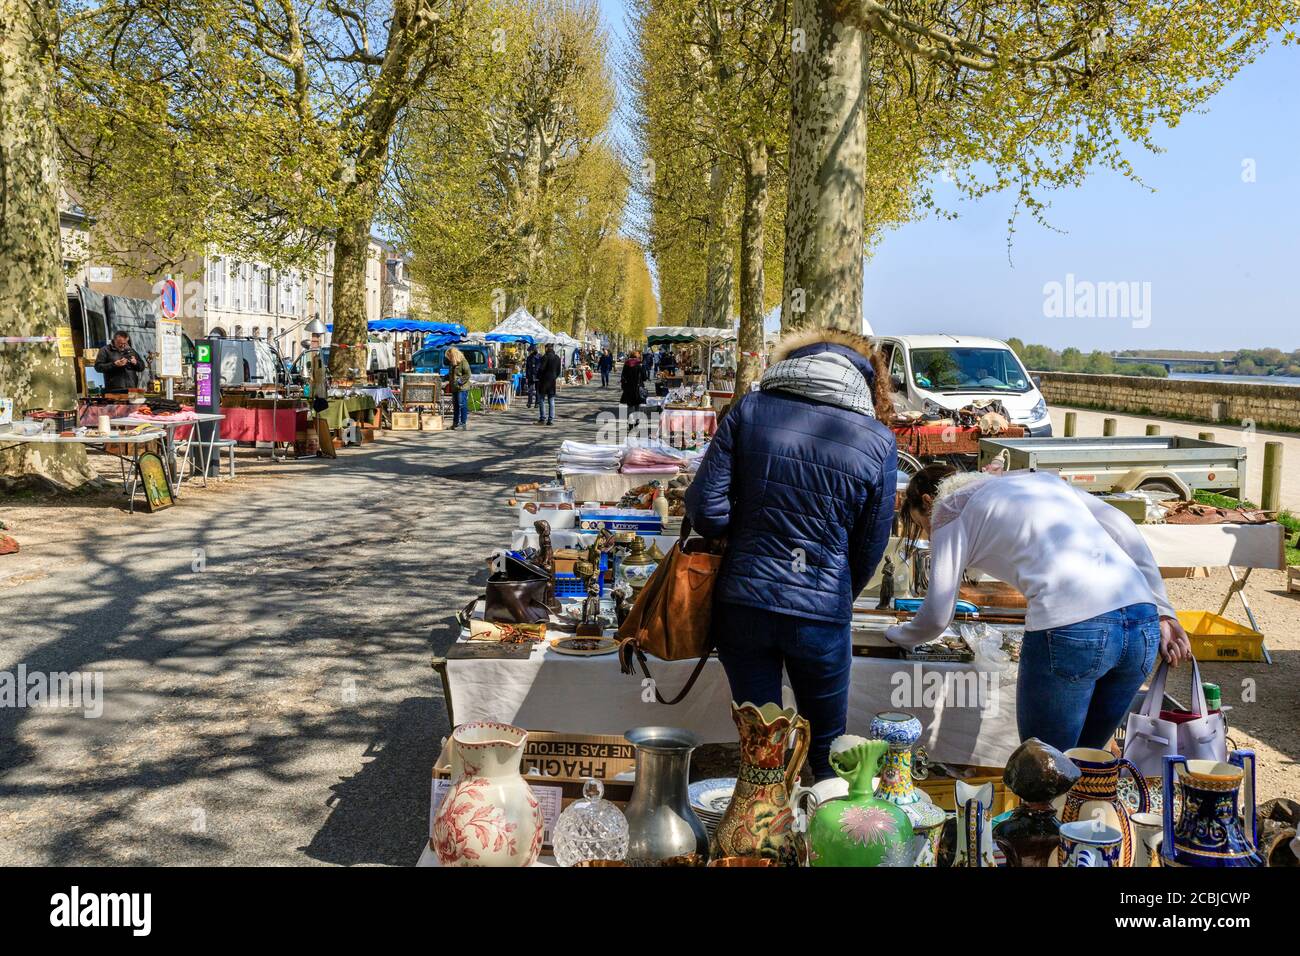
673	613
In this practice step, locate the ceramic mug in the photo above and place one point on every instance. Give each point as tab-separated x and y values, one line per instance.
1149	830
1085	843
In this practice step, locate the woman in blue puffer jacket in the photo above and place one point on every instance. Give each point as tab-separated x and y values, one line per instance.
800	481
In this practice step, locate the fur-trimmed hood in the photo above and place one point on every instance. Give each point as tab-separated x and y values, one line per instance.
856	348
793	341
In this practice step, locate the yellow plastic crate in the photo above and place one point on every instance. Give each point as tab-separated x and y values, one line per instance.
1216	638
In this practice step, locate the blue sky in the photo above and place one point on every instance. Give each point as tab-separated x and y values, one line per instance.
1213	259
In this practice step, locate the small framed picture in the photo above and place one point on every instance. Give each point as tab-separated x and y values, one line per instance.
153	478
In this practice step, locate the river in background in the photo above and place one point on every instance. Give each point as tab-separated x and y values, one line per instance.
1212	377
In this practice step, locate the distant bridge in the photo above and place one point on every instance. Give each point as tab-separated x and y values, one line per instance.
1169	363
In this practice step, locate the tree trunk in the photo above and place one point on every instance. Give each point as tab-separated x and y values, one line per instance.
348	340
753	224
33	300
579	330
721	253
824	213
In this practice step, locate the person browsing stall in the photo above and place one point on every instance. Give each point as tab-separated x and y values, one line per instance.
800	481
1097	612
548	373
458	371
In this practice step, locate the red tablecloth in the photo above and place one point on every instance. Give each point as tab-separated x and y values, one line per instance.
262	424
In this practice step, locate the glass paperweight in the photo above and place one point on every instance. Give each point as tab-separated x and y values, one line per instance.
590	828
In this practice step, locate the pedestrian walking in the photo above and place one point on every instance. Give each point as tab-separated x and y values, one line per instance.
548	373
606	365
631	383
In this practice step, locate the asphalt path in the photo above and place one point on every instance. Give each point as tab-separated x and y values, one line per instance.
265	658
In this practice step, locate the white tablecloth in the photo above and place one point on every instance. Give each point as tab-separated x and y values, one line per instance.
1215	545
589	695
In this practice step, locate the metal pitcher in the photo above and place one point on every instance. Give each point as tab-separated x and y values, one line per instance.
662	827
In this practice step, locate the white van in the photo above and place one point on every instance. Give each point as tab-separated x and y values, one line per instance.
938	374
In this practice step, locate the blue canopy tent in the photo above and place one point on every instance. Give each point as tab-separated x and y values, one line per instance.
402	324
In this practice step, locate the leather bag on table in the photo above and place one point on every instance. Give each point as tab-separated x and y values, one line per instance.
673	613
514	595
1153	734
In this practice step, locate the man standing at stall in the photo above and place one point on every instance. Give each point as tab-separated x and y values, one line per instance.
120	364
548	373
531	365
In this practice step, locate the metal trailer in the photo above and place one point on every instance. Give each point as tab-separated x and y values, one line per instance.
1153	463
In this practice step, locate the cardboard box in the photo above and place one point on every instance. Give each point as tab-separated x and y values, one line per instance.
557	766
406	421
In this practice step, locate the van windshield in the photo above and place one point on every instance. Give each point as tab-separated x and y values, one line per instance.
968	369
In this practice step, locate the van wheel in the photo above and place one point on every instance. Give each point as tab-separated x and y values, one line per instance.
907	466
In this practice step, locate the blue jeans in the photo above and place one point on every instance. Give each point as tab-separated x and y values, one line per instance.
546	408
755	645
604	379
1077	683
530	389
460	412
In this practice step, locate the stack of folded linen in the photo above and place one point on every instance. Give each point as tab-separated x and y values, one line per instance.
585	458
651	457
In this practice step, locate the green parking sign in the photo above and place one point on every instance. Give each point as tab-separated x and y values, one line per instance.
204	352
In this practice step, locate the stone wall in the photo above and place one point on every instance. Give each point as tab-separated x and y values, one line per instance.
1214	402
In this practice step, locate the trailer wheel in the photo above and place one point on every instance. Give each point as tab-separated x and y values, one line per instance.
1162	485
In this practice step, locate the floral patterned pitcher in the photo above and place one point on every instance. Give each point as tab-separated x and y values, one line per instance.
490	816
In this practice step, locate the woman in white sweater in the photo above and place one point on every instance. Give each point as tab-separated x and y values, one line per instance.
1097	609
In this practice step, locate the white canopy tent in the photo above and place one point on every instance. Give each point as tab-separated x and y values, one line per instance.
521	326
656	334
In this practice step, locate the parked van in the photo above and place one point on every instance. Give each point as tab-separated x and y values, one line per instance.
939	374
433	359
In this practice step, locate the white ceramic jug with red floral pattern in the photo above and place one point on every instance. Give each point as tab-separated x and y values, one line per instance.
490	816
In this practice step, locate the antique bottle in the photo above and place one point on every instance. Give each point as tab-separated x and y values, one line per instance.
902	731
759	821
662	827
858	829
1037	773
490	816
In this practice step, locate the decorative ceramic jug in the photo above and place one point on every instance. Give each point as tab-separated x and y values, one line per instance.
974	825
859	830
1096	796
902	731
1037	773
662	827
1209	830
490	816
1148	828
760	818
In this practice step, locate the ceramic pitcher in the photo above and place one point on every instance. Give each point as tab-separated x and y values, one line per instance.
760	818
1208	830
1095	796
858	829
490	816
975	846
902	731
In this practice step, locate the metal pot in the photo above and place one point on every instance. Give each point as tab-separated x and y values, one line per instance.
553	495
661	824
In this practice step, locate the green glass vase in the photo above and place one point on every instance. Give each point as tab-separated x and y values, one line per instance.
860	830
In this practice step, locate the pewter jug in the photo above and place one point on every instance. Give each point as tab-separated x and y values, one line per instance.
661	825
